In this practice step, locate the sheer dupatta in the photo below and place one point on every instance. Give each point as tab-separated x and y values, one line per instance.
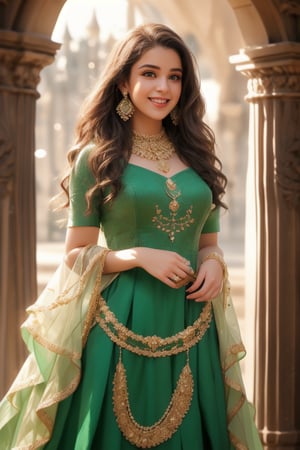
55	333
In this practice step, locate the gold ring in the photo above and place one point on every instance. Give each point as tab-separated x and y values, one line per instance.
176	278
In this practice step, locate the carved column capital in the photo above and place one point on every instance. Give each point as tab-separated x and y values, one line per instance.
272	70
22	56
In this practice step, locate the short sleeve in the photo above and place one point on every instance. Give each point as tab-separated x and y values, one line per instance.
81	180
212	224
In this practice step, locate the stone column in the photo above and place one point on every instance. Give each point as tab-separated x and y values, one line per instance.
22	56
273	237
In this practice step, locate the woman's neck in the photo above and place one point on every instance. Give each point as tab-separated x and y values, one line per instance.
147	128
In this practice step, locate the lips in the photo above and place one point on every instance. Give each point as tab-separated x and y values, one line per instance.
159	101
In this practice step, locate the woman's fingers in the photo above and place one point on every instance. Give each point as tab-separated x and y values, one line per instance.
169	267
207	291
208	283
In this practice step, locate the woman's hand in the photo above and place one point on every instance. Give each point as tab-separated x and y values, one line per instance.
209	282
167	266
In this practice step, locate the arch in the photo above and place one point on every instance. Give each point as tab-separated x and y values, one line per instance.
260	22
32	16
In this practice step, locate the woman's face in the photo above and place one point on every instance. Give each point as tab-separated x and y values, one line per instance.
154	87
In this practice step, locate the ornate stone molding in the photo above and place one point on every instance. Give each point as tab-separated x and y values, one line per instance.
272	70
22	56
277	81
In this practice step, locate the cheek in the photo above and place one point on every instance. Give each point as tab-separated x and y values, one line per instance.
137	90
177	91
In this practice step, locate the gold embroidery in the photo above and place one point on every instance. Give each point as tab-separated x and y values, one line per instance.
172	224
237	444
151	436
152	346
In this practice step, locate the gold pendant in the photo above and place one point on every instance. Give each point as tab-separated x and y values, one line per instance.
174	206
171	185
150	436
163	166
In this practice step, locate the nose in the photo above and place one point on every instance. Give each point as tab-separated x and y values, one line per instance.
162	84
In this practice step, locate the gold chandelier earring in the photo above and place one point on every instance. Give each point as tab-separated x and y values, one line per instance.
125	108
174	115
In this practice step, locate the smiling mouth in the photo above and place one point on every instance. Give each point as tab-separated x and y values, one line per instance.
160	101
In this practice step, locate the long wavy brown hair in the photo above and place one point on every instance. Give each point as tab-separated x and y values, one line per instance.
99	123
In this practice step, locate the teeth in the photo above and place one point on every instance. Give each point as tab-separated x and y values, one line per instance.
158	100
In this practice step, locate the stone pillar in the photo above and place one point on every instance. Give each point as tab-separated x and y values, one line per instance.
273	237
22	56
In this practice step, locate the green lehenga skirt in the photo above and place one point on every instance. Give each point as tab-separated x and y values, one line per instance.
86	420
62	397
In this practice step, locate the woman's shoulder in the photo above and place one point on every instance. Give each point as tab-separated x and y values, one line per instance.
85	152
81	167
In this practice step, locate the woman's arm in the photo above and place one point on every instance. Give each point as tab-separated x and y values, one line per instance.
209	279
208	244
162	264
76	239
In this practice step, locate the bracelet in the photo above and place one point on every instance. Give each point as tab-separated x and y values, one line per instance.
226	286
219	258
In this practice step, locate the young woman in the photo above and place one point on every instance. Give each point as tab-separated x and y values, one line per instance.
149	362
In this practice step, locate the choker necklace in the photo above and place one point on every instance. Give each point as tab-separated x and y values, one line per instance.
157	147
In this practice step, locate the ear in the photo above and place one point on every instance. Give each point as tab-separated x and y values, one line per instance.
123	87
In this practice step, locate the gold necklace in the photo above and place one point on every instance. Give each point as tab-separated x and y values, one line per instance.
157	147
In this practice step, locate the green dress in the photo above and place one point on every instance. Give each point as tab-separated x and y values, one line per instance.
143	215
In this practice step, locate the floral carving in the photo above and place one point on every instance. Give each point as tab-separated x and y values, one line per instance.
20	65
17	74
283	80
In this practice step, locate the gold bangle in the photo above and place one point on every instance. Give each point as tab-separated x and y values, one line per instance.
226	285
216	256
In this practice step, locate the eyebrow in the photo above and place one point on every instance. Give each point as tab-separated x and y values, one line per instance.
152	66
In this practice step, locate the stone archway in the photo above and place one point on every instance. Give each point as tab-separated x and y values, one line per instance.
271	62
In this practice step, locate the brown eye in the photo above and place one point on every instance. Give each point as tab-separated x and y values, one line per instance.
148	74
176	77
